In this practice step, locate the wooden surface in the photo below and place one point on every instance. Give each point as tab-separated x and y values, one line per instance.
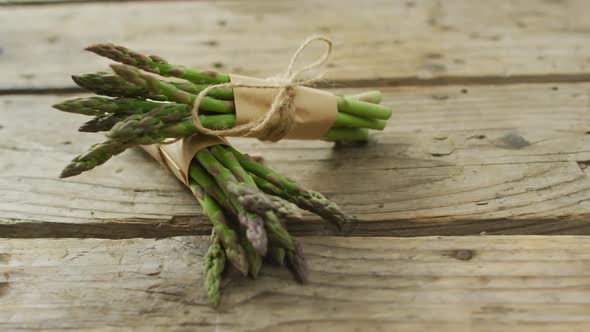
388	284
490	135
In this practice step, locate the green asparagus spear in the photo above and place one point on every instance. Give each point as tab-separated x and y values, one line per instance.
277	233
113	85
96	155
254	224
368	110
110	84
304	198
101	105
347	134
214	266
223	121
102	122
209	186
155	87
352	121
106	122
221	227
156	64
297	263
254	258
98	106
277	254
100	153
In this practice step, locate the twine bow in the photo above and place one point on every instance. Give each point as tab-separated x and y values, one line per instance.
283	106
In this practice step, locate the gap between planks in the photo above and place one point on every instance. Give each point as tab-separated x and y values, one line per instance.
378	83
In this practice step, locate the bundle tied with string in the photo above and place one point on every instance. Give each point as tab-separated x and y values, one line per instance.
278	107
269	109
247	203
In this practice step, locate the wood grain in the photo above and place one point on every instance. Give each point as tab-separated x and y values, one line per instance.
377	42
453	161
452	284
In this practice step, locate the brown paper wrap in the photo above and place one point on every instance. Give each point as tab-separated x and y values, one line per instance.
315	110
177	156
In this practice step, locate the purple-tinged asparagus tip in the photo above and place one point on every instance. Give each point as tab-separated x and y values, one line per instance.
298	264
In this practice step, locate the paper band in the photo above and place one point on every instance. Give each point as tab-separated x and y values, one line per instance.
177	156
315	110
287	110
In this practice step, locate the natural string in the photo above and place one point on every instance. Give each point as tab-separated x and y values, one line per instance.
266	128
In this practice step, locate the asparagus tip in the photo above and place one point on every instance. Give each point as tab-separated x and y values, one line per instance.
87	128
59	107
66	173
135	76
72	169
77	79
70	106
99	47
298	264
124	70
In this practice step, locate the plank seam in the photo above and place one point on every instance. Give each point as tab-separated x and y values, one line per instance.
153	228
376	83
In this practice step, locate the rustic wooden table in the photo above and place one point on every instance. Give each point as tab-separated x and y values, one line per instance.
471	204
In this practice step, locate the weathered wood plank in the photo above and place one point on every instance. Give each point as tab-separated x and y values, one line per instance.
496	159
377	41
454	283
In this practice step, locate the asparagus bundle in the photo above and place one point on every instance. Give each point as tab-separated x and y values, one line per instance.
356	114
247	202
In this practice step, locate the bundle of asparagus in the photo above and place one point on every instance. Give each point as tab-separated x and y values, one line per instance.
356	114
172	119
247	202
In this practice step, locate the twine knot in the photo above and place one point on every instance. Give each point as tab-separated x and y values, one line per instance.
268	127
